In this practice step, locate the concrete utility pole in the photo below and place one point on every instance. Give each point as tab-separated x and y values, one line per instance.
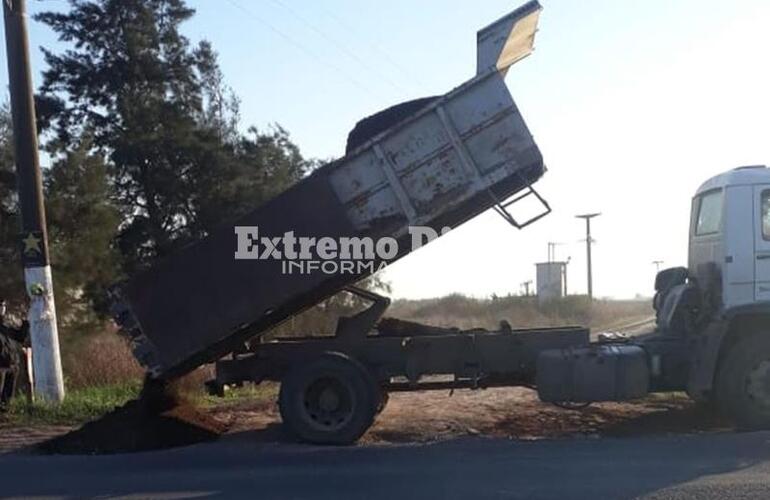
589	241
526	286
657	264
46	360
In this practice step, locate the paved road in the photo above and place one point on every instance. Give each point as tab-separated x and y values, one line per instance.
724	466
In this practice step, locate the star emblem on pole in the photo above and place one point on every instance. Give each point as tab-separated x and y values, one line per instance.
31	243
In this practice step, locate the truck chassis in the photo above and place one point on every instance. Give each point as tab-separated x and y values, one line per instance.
333	387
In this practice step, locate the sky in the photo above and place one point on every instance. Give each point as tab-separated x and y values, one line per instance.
633	105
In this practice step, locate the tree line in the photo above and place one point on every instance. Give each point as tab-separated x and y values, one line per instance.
148	152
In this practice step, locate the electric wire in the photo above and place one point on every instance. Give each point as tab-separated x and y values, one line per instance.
382	52
350	53
304	49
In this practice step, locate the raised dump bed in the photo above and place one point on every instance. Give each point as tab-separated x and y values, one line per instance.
451	158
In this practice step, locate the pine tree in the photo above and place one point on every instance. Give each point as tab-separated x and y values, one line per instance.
159	112
11	277
131	81
82	224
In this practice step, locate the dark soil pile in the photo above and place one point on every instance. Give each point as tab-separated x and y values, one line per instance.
158	419
380	122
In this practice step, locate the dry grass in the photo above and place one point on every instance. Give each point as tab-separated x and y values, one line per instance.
521	312
105	359
100	359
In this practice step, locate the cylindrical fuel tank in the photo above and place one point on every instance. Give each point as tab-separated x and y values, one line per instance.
602	372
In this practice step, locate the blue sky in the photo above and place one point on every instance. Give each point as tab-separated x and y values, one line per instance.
633	105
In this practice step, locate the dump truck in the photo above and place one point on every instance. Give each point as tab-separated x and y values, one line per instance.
409	173
432	163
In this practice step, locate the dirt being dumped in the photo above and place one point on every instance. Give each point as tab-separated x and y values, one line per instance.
158	419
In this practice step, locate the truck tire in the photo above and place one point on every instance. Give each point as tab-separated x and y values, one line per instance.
331	400
742	387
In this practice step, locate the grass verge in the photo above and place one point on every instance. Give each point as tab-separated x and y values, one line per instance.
79	406
248	394
88	403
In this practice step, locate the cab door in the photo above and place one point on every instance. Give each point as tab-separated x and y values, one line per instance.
762	242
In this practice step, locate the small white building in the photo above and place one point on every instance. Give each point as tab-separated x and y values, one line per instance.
551	280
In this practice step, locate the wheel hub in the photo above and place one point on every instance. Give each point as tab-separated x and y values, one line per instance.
329	400
329	404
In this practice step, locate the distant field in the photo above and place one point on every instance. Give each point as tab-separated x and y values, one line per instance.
521	312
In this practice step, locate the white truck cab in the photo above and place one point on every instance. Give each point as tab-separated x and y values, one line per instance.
713	318
730	235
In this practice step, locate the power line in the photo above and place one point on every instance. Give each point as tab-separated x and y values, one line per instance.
340	46
302	48
385	56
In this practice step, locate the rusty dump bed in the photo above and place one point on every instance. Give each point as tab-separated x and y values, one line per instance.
452	158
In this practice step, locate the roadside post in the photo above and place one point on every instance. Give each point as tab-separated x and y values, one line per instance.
46	359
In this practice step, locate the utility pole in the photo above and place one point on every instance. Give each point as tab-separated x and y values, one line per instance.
526	286
657	264
46	360
589	241
552	250
564	270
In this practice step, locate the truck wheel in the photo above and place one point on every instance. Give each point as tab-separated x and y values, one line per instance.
743	384
331	400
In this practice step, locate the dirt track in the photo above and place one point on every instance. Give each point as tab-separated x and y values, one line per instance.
14	437
513	413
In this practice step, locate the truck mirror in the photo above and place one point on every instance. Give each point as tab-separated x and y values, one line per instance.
667	278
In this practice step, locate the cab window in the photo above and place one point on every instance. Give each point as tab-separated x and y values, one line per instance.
765	201
709	213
